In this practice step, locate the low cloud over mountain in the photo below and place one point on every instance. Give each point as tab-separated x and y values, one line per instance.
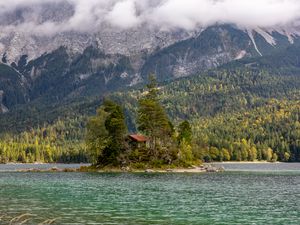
89	15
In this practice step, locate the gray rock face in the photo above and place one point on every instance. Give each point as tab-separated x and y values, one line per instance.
213	47
3	108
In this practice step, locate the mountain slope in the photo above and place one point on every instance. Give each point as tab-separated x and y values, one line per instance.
13	89
61	75
215	46
56	77
248	82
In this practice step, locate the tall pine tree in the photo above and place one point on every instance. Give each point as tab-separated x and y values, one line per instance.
106	134
153	120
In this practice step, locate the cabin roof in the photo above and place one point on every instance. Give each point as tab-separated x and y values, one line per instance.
138	137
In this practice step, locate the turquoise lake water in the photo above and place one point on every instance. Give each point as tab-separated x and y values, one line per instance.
269	195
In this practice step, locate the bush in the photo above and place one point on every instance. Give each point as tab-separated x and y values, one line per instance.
138	166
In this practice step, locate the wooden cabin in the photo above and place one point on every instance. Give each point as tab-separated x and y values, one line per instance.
138	140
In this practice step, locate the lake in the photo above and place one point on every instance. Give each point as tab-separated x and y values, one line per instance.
245	194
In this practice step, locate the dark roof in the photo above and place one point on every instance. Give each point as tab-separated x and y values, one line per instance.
138	138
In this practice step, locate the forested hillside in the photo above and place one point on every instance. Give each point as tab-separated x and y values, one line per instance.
245	110
62	142
241	110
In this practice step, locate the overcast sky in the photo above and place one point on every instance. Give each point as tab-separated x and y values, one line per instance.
163	14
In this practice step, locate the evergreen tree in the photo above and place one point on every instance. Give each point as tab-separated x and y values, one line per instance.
185	132
117	129
97	135
153	120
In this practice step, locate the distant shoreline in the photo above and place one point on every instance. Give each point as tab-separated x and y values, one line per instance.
205	163
244	162
213	167
88	168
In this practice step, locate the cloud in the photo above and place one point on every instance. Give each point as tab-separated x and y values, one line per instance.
192	13
90	15
123	14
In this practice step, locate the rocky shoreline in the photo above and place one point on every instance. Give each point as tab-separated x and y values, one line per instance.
195	169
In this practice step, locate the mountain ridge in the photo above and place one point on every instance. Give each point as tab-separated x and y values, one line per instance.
60	75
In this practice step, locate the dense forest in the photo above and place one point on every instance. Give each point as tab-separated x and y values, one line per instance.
270	132
237	114
243	111
59	142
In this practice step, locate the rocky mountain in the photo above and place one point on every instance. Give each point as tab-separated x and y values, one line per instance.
17	40
65	65
213	47
61	74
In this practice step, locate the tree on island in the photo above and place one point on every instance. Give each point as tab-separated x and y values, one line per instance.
185	132
106	134
153	122
97	135
184	139
116	126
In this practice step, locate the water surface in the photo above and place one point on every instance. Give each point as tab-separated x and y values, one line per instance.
261	167
245	197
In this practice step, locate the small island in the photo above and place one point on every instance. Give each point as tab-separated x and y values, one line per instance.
157	146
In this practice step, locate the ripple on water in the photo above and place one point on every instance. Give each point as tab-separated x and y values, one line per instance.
88	198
